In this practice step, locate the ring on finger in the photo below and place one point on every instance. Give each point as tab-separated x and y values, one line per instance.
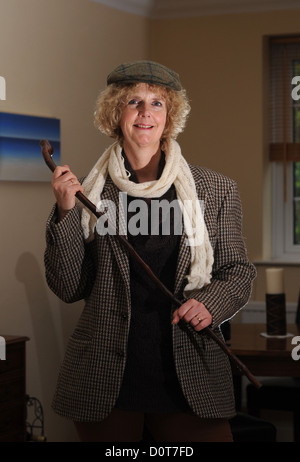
199	319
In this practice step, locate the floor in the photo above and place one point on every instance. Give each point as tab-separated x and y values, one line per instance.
282	420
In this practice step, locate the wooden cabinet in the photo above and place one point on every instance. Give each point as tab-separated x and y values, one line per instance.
13	390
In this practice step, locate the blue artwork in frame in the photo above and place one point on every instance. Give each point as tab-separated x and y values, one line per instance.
20	152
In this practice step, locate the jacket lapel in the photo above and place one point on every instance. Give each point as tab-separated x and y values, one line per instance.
183	263
111	193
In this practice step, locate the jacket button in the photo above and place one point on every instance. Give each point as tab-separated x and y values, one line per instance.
124	316
50	238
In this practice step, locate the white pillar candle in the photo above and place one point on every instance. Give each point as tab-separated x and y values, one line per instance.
274	278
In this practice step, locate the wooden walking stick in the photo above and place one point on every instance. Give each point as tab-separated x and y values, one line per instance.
47	152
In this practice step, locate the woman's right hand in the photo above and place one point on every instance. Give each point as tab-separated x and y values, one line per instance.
65	185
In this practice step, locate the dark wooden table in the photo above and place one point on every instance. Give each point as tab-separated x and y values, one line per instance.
264	356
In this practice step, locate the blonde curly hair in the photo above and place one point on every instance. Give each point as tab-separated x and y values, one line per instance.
113	99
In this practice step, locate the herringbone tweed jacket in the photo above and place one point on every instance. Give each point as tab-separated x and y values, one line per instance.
92	370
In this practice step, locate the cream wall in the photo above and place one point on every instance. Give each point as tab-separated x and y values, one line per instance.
54	56
222	62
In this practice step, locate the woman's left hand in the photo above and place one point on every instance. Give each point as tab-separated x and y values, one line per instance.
193	312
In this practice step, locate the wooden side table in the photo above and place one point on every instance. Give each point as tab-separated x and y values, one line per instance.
13	390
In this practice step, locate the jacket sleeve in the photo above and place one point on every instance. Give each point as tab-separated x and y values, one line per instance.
232	272
68	264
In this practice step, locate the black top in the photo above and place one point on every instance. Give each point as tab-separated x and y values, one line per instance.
150	382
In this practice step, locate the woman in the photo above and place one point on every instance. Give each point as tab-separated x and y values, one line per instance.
133	359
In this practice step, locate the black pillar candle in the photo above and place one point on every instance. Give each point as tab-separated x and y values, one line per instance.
276	314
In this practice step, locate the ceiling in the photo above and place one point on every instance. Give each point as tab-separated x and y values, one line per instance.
188	8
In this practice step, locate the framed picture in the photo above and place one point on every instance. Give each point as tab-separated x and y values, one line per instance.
20	151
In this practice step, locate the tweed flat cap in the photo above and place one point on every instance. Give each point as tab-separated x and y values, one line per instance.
145	71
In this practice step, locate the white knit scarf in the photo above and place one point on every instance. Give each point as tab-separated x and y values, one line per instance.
177	171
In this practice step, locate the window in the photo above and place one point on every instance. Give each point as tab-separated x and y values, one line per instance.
285	146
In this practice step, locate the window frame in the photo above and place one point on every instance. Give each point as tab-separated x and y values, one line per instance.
283	247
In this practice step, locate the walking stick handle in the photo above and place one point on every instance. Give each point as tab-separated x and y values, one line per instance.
47	152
